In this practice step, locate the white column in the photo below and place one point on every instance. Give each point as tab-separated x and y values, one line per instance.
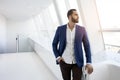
2	34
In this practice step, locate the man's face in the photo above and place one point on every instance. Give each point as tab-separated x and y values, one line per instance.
75	17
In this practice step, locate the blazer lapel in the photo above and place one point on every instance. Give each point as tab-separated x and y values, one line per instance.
63	38
76	32
64	33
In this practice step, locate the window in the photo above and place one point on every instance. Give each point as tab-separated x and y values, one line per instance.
46	23
109	16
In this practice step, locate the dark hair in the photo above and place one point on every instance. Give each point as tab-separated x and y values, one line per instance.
70	12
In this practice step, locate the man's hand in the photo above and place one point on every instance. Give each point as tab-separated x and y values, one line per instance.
60	59
89	68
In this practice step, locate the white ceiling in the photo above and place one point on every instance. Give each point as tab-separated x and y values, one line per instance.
22	9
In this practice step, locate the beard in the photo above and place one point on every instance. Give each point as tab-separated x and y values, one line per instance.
75	20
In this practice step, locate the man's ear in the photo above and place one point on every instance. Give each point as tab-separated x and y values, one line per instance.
69	17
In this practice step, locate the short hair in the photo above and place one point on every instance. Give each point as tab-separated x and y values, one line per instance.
70	12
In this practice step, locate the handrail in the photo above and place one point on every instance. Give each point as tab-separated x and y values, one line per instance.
111	30
112	45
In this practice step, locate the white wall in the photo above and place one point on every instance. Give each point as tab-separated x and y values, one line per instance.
101	72
2	34
107	70
114	72
48	58
23	29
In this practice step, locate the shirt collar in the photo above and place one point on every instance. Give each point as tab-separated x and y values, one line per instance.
69	28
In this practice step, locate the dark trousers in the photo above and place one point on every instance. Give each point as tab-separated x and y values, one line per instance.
66	70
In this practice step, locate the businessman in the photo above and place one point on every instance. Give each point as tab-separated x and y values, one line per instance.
67	48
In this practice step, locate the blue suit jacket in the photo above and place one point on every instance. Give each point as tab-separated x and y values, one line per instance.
59	43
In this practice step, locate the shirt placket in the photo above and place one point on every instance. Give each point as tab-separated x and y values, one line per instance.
71	52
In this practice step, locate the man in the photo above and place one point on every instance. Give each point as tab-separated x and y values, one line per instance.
67	48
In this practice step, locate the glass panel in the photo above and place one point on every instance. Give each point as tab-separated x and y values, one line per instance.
109	13
46	23
112	41
23	44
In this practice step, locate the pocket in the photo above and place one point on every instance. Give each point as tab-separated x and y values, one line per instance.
62	62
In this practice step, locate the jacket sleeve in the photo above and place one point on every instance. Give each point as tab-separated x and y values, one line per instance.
86	45
55	43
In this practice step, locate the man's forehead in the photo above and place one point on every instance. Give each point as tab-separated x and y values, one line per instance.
75	12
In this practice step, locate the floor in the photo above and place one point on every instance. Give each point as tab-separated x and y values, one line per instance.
23	66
